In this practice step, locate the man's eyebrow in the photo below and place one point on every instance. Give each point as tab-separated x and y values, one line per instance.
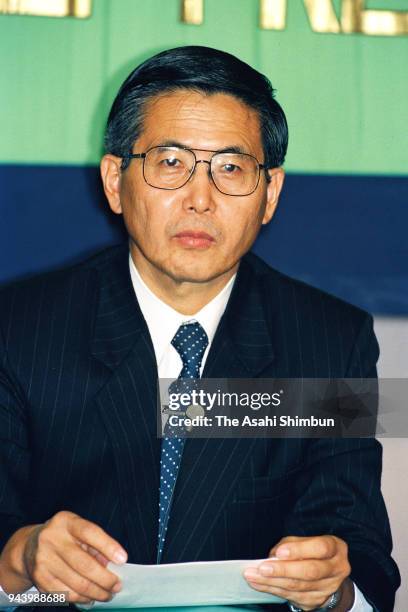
232	149
180	145
172	143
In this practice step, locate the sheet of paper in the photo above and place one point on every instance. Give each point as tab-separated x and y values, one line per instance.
185	584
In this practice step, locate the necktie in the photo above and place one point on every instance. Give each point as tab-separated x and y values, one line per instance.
190	341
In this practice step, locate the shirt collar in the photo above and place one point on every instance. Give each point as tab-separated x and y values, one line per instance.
163	321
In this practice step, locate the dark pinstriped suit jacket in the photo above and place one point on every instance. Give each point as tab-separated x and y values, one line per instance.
78	422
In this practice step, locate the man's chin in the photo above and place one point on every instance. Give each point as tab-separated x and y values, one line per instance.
188	276
189	268
194	273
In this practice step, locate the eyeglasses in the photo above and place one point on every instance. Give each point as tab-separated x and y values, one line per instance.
234	174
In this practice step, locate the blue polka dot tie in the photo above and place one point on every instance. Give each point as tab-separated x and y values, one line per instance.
190	341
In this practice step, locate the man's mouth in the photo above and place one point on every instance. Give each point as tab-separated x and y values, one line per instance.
195	240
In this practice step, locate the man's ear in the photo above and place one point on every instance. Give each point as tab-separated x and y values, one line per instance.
277	176
111	174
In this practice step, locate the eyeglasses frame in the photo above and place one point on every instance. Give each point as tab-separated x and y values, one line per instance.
198	161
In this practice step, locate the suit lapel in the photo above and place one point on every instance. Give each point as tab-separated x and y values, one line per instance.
127	403
242	348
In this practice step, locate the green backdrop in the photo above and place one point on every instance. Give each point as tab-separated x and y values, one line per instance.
346	96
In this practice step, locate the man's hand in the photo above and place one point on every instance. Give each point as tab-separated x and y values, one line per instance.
306	572
67	553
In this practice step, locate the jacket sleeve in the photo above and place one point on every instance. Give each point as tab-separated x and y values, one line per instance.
14	452
339	493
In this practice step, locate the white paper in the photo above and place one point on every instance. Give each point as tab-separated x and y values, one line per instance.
185	584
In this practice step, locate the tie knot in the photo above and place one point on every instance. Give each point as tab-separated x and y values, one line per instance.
190	341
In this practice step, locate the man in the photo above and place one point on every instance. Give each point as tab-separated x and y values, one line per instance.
195	145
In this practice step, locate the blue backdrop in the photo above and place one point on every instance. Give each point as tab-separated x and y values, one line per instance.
345	234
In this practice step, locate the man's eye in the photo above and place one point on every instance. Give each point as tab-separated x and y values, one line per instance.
230	168
170	162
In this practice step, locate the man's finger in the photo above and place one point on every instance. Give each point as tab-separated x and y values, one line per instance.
308	601
328	584
94	536
77	584
320	547
272	552
56	586
88	567
309	570
92	551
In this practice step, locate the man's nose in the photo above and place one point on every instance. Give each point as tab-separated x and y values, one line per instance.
200	188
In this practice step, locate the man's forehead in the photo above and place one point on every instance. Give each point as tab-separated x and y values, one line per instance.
199	119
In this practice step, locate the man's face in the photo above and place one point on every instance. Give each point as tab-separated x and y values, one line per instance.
194	233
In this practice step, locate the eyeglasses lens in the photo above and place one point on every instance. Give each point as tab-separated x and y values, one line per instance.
168	167
235	173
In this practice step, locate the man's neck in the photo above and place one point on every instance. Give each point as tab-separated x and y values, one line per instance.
188	298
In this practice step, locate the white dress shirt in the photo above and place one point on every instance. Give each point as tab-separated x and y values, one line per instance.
163	323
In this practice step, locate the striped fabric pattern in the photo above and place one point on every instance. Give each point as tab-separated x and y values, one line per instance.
78	422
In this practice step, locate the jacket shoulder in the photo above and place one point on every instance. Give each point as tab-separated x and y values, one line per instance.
51	298
61	277
327	335
275	283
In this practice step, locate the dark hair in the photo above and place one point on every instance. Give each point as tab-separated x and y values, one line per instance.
200	69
